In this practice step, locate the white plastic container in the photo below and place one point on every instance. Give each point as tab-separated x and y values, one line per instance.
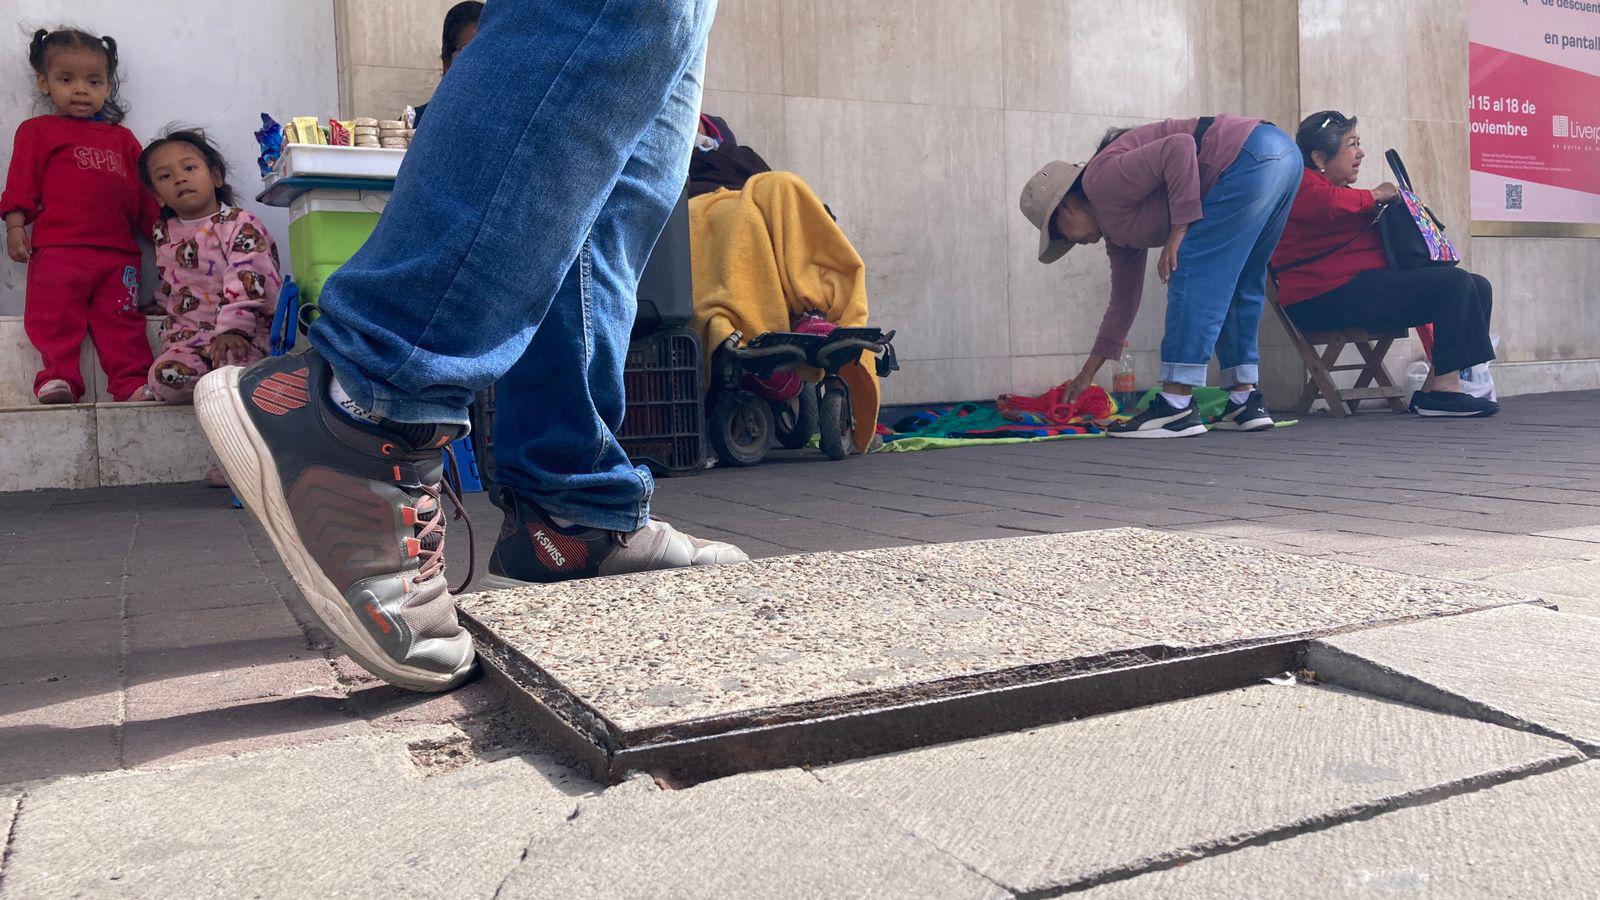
322	161
324	200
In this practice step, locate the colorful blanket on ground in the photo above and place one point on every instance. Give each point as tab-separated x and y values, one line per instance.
980	421
970	424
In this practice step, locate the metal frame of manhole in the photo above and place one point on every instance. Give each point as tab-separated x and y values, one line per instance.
872	722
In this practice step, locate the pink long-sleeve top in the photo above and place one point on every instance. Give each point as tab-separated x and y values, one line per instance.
1145	182
218	274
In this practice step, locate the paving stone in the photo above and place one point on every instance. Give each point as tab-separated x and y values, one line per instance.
1185	590
1549	518
1590	533
76	609
62	727
1019	522
246	727
1069	804
1446	561
391	708
39	580
1580	579
37	652
1534	837
351	818
1519	666
711	641
774	834
1259	529
1531	546
156	691
1337	541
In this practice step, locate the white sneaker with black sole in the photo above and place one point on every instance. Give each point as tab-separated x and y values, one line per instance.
1161	420
1251	415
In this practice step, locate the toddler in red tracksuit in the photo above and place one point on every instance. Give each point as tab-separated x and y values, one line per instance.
75	178
218	266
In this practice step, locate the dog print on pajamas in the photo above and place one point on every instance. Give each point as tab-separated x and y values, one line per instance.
218	276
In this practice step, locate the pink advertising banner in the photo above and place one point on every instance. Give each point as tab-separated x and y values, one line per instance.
1534	68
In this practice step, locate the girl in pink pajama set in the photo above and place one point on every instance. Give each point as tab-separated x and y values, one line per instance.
218	267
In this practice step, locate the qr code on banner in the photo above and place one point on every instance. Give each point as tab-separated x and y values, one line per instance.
1513	196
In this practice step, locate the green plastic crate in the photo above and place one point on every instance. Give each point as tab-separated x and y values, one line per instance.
326	228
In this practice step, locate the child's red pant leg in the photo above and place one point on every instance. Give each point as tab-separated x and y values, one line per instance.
118	327
55	313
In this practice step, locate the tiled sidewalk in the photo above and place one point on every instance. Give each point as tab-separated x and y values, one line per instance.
146	625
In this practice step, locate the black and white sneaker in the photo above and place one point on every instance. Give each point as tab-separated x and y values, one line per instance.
1161	420
1452	404
1251	415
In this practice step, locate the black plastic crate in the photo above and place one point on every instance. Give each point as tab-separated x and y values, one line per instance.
664	425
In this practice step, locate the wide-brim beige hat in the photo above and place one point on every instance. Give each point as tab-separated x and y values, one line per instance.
1041	196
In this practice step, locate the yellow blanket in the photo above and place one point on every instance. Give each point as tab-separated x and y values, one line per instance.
770	252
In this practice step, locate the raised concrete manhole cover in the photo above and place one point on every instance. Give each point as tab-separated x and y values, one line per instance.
698	673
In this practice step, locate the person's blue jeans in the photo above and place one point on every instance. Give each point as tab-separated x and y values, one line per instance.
1216	295
524	212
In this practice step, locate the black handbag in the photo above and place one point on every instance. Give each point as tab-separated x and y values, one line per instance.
1413	237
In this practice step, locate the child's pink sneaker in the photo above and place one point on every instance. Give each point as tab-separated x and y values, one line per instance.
141	394
56	390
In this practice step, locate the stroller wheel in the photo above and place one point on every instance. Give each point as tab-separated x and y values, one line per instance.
835	434
740	428
796	420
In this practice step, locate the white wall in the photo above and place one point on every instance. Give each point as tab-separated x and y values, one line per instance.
215	65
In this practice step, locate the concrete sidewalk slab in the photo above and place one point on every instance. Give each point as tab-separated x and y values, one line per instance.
1073	804
1529	838
8	812
774	834
1579	607
347	818
1524	667
1580	579
867	652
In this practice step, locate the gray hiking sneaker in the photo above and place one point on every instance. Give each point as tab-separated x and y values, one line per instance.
353	509
531	547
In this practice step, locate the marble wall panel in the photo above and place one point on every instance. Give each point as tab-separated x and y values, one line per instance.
1124	58
746	49
1544	296
941	52
757	121
948	380
919	191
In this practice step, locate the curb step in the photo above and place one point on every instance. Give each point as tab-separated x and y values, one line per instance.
85	445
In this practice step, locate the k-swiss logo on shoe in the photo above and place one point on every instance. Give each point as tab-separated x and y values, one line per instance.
558	551
281	392
378	618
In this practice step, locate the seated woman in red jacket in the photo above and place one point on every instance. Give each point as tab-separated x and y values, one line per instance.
1332	273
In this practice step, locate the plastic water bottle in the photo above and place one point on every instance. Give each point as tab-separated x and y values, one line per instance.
1417	375
1124	389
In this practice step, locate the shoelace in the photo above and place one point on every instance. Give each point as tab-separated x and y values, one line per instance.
431	526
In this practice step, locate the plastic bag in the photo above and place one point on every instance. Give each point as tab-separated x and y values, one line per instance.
1478	382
